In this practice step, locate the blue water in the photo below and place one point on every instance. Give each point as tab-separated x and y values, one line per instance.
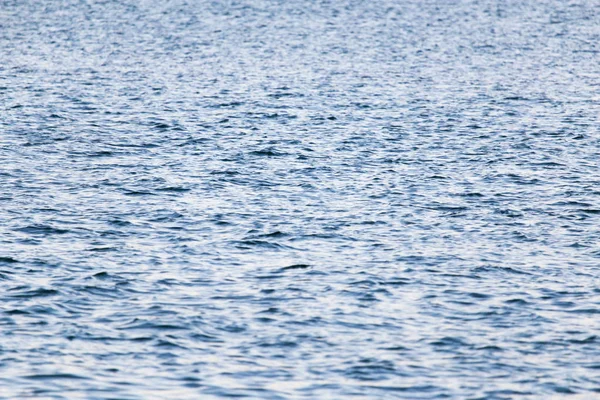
299	199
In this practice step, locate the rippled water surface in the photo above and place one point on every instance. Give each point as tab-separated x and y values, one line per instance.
299	199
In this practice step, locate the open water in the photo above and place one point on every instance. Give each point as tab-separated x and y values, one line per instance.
299	199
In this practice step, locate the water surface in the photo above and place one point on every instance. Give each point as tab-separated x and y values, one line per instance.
299	199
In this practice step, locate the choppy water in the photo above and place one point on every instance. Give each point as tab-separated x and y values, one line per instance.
299	199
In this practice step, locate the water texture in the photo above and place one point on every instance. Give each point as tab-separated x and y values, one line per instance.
299	199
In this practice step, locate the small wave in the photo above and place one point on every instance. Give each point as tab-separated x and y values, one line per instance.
42	230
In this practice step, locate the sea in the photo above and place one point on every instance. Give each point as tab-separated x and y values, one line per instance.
299	199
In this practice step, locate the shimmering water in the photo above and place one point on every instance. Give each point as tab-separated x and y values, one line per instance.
299	199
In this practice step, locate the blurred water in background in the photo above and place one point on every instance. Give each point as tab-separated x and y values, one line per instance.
299	199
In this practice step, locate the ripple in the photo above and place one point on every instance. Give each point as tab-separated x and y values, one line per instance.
307	199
